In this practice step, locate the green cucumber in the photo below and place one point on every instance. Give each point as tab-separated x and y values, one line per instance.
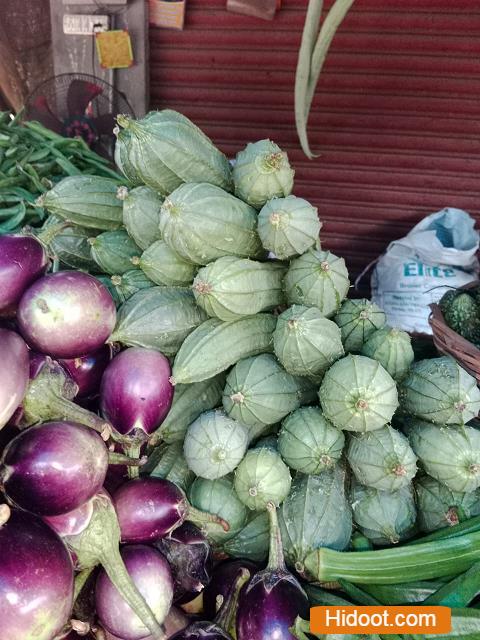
215	345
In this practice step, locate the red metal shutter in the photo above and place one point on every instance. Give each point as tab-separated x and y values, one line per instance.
396	118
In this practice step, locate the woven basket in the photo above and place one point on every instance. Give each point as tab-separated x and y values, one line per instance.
450	343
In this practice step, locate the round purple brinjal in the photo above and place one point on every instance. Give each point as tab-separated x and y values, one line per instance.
23	259
188	553
224	621
54	467
14	373
36	578
93	537
87	371
136	392
151	574
174	622
66	314
49	396
151	508
222	577
268	606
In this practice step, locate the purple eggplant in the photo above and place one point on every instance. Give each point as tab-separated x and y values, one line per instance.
270	603
96	540
23	259
49	396
188	553
151	508
87	371
151	574
224	621
14	373
66	314
222	577
136	392
53	468
36	578
174	622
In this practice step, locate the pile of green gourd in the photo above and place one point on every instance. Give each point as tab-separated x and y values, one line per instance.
285	390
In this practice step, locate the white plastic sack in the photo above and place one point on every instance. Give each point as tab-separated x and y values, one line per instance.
439	253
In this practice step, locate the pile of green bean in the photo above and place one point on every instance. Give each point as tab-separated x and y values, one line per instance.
32	159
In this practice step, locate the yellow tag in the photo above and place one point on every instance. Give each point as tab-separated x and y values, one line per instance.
114	49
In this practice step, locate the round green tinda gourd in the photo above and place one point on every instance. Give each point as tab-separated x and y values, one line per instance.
384	517
201	222
262	477
261	172
166	149
315	514
259	391
392	348
219	498
141	214
305	342
450	454
382	459
165	267
89	201
214	444
357	320
114	251
317	279
357	394
308	442
231	287
288	226
127	284
439	506
158	318
251	542
440	391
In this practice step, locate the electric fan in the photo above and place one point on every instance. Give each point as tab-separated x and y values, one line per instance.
79	105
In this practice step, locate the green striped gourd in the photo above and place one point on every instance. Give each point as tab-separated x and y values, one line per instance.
440	391
262	477
439	506
259	391
315	514
219	498
288	226
129	283
305	342
89	201
158	318
382	459
357	320
202	222
214	444
231	287
166	149
357	394
392	348
141	214
252	541
384	517
71	245
261	172
215	346
165	267
189	401
167	461
121	157
317	279
450	454
308	442
114	251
